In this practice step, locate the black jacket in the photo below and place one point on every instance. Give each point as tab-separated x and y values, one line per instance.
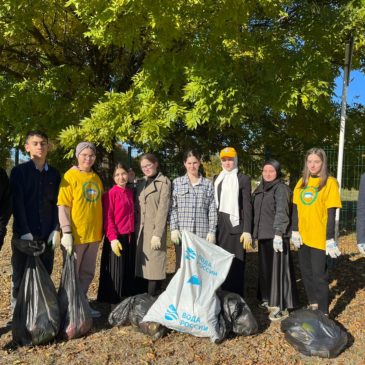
245	207
34	200
5	204
271	204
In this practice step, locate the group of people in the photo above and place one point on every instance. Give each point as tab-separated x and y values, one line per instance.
133	217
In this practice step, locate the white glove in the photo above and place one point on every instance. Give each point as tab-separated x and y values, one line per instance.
176	237
54	239
361	248
332	249
116	247
67	242
278	244
246	240
155	243
211	238
27	236
296	238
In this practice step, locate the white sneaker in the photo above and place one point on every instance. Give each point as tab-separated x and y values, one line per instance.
278	314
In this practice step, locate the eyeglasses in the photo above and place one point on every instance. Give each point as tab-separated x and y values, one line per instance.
146	167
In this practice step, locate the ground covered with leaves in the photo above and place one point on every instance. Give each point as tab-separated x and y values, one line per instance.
124	345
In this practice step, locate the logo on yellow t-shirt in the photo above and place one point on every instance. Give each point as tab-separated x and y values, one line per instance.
309	195
90	191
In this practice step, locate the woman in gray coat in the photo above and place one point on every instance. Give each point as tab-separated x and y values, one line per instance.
152	207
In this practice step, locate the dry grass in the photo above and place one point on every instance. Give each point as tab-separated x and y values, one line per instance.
105	345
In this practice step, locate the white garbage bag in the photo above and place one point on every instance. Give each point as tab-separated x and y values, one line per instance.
189	303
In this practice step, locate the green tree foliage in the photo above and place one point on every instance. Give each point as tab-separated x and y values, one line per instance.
164	75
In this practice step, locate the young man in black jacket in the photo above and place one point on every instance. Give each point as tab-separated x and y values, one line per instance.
34	186
5	204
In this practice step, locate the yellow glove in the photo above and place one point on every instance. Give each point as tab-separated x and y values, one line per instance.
246	240
116	247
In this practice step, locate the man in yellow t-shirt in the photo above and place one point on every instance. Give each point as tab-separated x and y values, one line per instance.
80	214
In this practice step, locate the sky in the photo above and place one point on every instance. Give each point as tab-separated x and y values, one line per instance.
356	89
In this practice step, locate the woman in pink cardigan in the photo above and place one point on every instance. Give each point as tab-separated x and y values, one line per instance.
117	268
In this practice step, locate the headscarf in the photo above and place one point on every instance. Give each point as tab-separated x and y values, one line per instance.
228	202
82	145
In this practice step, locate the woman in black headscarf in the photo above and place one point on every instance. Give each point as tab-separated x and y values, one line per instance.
272	205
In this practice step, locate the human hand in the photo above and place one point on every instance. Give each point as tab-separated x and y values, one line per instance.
116	247
67	242
155	243
27	236
296	239
54	239
246	240
176	237
211	238
278	243
332	249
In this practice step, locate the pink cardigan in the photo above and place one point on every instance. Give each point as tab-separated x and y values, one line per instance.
118	211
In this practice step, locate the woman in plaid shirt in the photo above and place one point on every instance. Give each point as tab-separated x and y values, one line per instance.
193	207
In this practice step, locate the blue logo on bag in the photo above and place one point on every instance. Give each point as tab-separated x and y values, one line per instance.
194	280
171	313
190	254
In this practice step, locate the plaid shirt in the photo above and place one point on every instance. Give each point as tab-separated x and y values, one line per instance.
193	207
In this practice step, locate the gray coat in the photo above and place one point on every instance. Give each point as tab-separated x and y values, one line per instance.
152	207
272	210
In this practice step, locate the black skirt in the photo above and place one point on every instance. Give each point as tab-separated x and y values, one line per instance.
277	283
229	241
117	274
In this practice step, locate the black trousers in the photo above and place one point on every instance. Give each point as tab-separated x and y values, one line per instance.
266	257
178	250
313	267
18	261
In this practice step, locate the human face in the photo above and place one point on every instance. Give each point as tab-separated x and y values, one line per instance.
192	166
314	164
269	173
86	159
37	147
149	168
228	163
121	177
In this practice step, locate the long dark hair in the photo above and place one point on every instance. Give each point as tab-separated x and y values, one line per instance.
120	165
192	153
323	174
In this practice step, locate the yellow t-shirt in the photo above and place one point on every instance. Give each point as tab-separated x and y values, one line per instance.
312	209
81	191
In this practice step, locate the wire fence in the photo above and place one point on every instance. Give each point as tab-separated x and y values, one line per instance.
353	167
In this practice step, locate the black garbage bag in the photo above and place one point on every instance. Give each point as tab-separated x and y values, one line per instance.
75	312
224	328
28	247
140	306
120	314
132	310
314	334
36	318
237	313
